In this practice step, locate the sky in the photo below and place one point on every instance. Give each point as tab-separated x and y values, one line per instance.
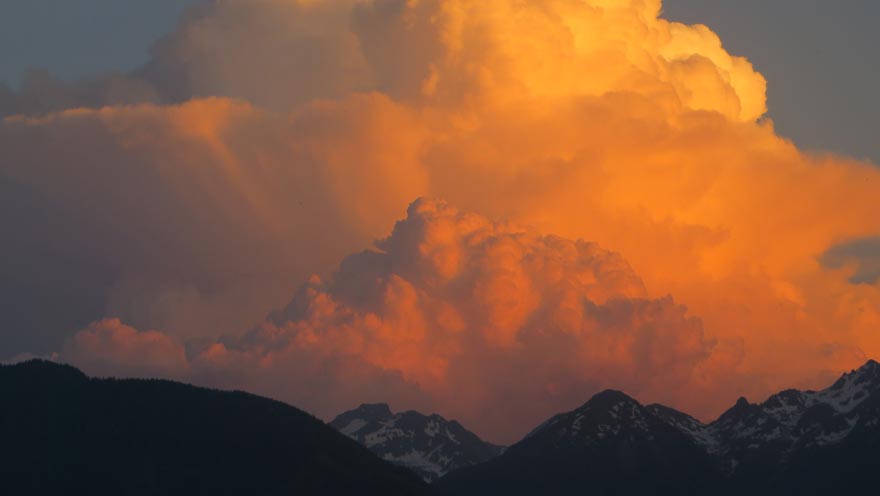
445	205
800	45
79	39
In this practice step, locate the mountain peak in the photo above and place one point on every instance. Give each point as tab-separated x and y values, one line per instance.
741	408
612	393
867	373
794	436
606	415
374	410
429	445
871	366
609	398
870	371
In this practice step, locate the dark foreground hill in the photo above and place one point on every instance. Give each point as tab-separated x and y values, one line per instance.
795	443
64	433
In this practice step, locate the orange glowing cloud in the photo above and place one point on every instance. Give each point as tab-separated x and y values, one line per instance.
285	135
471	314
109	346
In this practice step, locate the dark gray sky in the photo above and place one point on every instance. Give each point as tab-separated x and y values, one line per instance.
819	56
75	38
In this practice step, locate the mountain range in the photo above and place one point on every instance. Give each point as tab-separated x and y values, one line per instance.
66	433
795	442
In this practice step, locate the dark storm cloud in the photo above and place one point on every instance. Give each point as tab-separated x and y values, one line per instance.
40	92
271	53
75	39
862	254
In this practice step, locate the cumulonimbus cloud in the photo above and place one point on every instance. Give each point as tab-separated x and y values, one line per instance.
472	315
266	140
281	53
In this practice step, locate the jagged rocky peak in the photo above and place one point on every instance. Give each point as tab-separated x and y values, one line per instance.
795	442
850	391
791	418
785	421
742	408
868	375
430	445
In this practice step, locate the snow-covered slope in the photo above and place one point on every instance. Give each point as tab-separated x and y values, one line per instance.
609	445
795	442
607	415
787	421
429	445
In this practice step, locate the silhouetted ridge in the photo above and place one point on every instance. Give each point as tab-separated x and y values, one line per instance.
37	369
63	433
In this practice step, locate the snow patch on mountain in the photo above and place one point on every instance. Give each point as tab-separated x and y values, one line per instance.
785	422
353	426
429	445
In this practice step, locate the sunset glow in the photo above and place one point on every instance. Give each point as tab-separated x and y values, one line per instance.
556	197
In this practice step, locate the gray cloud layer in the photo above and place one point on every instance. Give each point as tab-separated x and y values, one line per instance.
862	254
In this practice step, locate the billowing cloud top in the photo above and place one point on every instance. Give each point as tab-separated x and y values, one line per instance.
475	316
266	140
279	53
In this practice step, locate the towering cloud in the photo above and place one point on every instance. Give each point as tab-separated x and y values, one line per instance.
266	140
473	315
281	53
